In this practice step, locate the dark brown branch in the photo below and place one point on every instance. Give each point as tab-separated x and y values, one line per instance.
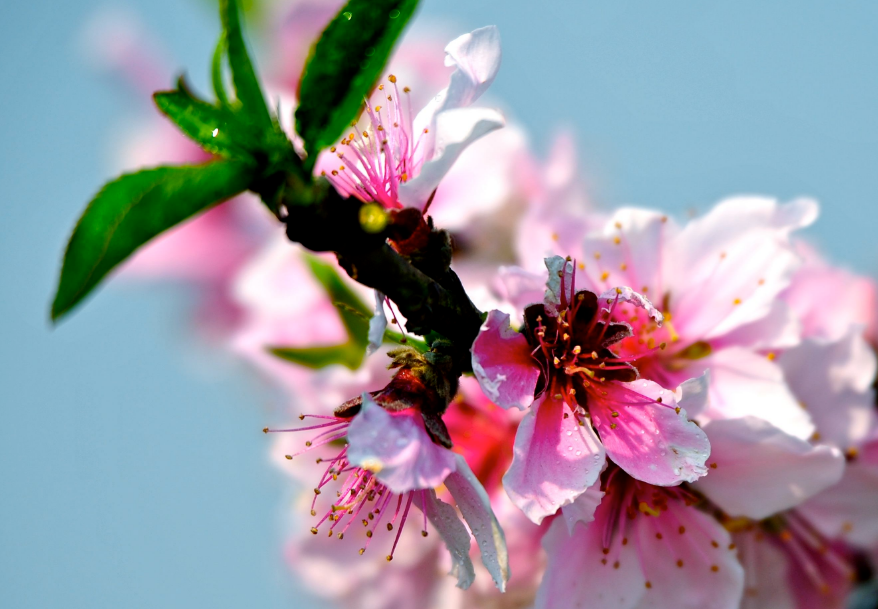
436	303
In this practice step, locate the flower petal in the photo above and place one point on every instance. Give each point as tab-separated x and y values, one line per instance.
503	365
630	249
576	576
847	510
626	294
648	437
453	533
761	470
453	131
744	383
477	58
710	576
692	394
833	381
644	570
397	449
730	265
554	460
766	573
583	507
474	505
377	325
519	287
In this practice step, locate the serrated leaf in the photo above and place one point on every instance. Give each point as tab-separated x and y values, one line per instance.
243	75
216	129
354	313
344	66
133	209
347	354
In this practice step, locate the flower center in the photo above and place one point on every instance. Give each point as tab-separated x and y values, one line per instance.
572	351
384	154
359	497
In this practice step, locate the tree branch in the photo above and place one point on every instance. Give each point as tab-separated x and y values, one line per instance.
438	303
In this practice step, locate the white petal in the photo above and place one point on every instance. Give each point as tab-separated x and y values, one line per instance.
454	534
583	507
833	380
474	505
453	131
692	395
760	470
377	325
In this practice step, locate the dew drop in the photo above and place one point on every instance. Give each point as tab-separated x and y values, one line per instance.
569	433
394	14
348	15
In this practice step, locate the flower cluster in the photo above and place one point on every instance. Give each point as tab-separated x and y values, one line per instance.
660	414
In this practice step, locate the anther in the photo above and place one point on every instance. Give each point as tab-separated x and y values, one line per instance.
288	457
313	530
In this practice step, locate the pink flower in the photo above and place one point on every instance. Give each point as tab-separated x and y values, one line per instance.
576	387
647	546
398	159
854	298
716	281
389	463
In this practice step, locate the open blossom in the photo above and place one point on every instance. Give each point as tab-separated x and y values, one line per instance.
586	402
389	462
482	434
398	159
716	282
646	547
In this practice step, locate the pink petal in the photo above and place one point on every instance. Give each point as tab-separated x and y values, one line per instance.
575	575
744	383
520	287
703	545
397	448
847	510
583	507
692	394
761	471
474	505
651	440
730	265
446	521
833	381
554	460
766	574
631	245
503	365
580	574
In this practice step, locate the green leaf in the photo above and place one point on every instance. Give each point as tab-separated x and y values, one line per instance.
354	313
133	209
243	76
393	337
348	354
217	130
216	73
344	66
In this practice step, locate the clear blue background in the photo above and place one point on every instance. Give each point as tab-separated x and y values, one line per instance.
130	477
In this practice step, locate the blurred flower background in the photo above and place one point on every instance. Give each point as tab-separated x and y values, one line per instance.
134	470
